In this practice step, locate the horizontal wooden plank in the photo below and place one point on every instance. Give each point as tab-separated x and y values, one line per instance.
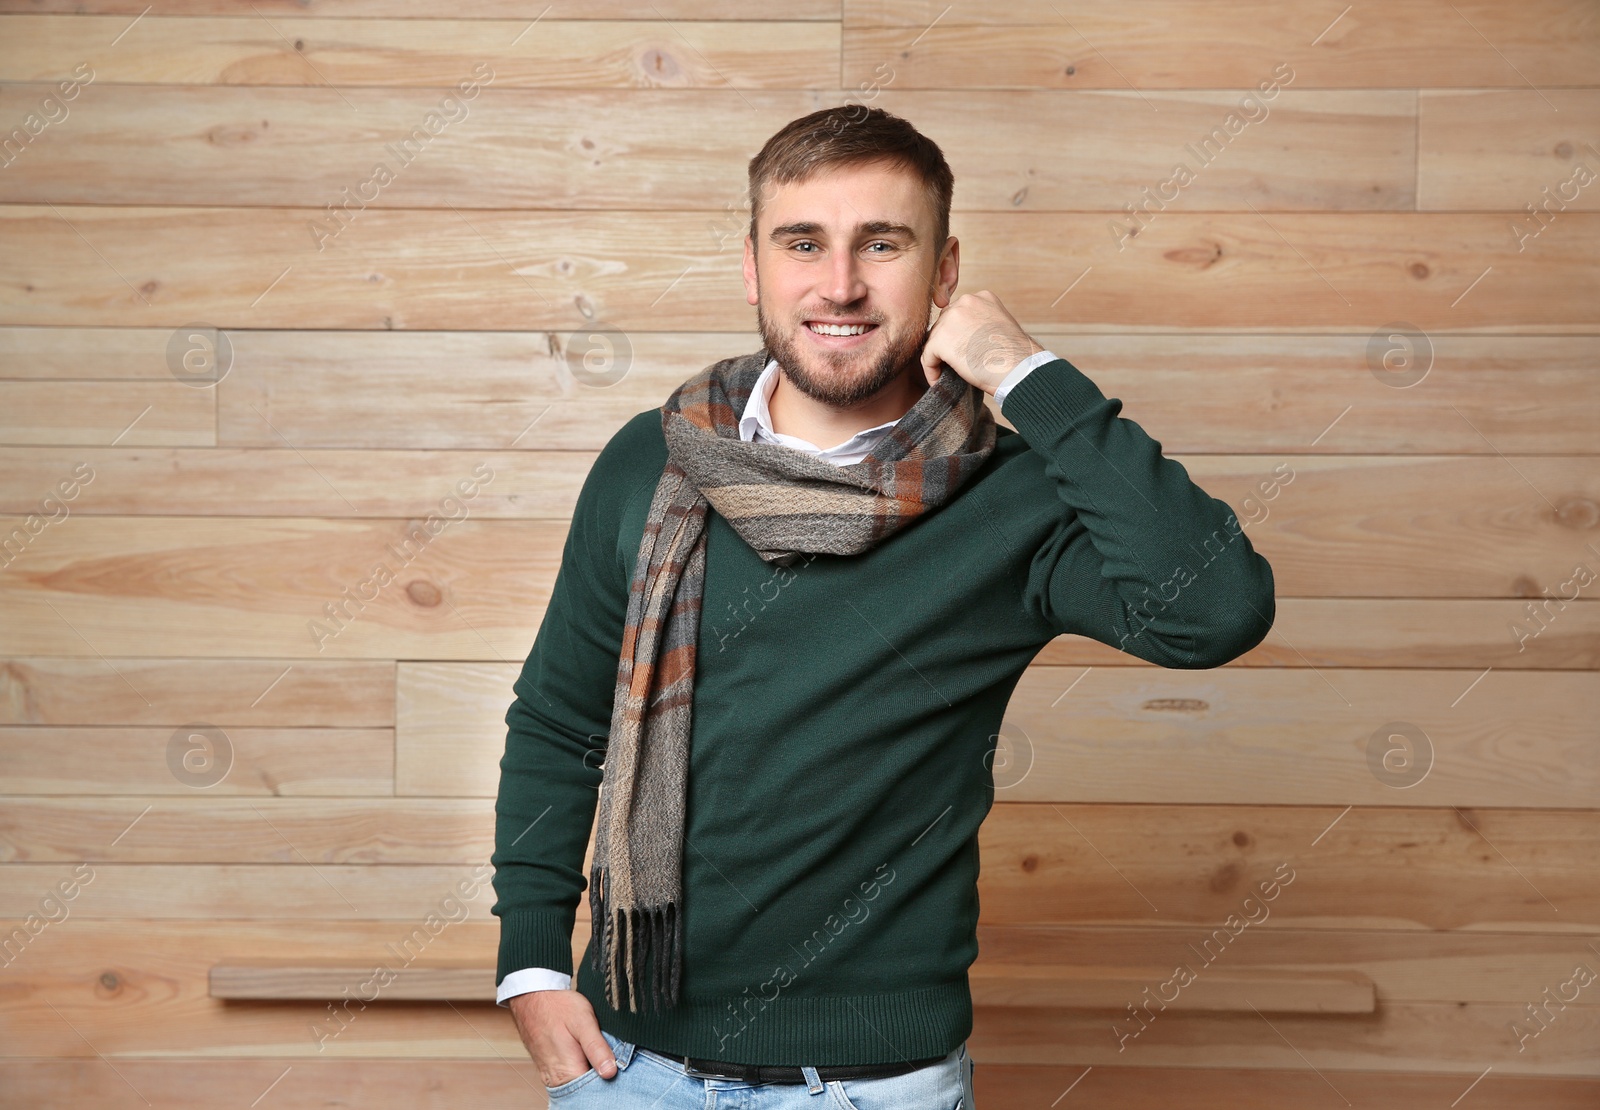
442	707
441	53
1196	392
470	589
1505	149
1030	985
1229	736
369	483
156	828
1417	633
153	993
590	149
1201	884
1378	867
179	586
302	693
197	756
1408	1036
1304	737
411	1084
1403	966
128	414
228	267
86	354
1178	44
302	1081
328	982
252	892
740	10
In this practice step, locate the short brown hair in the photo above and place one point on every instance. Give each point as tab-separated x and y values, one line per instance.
851	135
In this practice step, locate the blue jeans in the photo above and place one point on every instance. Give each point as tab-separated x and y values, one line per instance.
646	1080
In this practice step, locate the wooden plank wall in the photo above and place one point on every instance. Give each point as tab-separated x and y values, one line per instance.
1368	317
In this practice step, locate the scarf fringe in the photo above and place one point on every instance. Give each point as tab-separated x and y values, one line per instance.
631	938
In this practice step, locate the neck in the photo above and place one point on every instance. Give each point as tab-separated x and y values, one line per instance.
796	414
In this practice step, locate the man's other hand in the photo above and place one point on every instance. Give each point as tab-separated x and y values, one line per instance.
561	1033
978	339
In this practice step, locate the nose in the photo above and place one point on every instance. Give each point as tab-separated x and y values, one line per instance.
844	283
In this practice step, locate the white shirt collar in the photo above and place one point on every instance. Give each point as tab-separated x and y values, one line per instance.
755	425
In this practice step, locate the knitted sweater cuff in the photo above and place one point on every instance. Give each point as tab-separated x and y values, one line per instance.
532	938
1051	398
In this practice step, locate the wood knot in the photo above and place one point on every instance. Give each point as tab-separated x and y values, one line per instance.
1226	877
424	593
1030	863
1578	513
659	65
1419	270
1563	149
1242	839
1523	586
1201	258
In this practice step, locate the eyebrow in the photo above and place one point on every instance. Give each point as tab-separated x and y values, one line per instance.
871	227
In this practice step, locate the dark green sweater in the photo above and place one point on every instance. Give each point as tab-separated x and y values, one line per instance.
843	711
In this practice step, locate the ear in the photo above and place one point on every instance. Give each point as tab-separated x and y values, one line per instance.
750	287
947	272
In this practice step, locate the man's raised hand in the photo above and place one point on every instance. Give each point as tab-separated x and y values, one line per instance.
978	339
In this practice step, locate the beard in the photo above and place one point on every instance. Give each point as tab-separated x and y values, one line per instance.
844	379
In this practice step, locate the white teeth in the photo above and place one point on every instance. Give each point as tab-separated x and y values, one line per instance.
838	329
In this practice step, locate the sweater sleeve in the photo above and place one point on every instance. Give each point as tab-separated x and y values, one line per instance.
559	721
1140	558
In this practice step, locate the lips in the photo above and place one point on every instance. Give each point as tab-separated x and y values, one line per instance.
823	339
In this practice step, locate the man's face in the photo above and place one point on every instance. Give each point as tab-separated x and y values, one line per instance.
850	246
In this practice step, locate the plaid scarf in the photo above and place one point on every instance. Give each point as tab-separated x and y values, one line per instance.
781	502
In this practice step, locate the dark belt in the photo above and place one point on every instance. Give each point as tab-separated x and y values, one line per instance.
784	1073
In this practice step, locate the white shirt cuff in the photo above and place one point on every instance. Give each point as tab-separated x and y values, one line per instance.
1023	369
531	979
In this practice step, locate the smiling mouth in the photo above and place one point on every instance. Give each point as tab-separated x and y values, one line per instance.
841	331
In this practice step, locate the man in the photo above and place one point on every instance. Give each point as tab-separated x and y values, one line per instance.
829	560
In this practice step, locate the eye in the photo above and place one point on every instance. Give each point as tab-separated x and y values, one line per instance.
802	243
882	243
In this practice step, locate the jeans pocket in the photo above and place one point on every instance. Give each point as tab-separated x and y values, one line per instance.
578	1082
935	1087
571	1085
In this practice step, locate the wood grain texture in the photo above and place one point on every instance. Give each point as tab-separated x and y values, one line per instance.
1079	988
741	10
1229	736
1288	272
200	828
304	693
134	990
182	586
129	414
1198	392
291	481
581	149
446	54
1179	44
1505	149
196	756
257	892
1378	867
78	354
